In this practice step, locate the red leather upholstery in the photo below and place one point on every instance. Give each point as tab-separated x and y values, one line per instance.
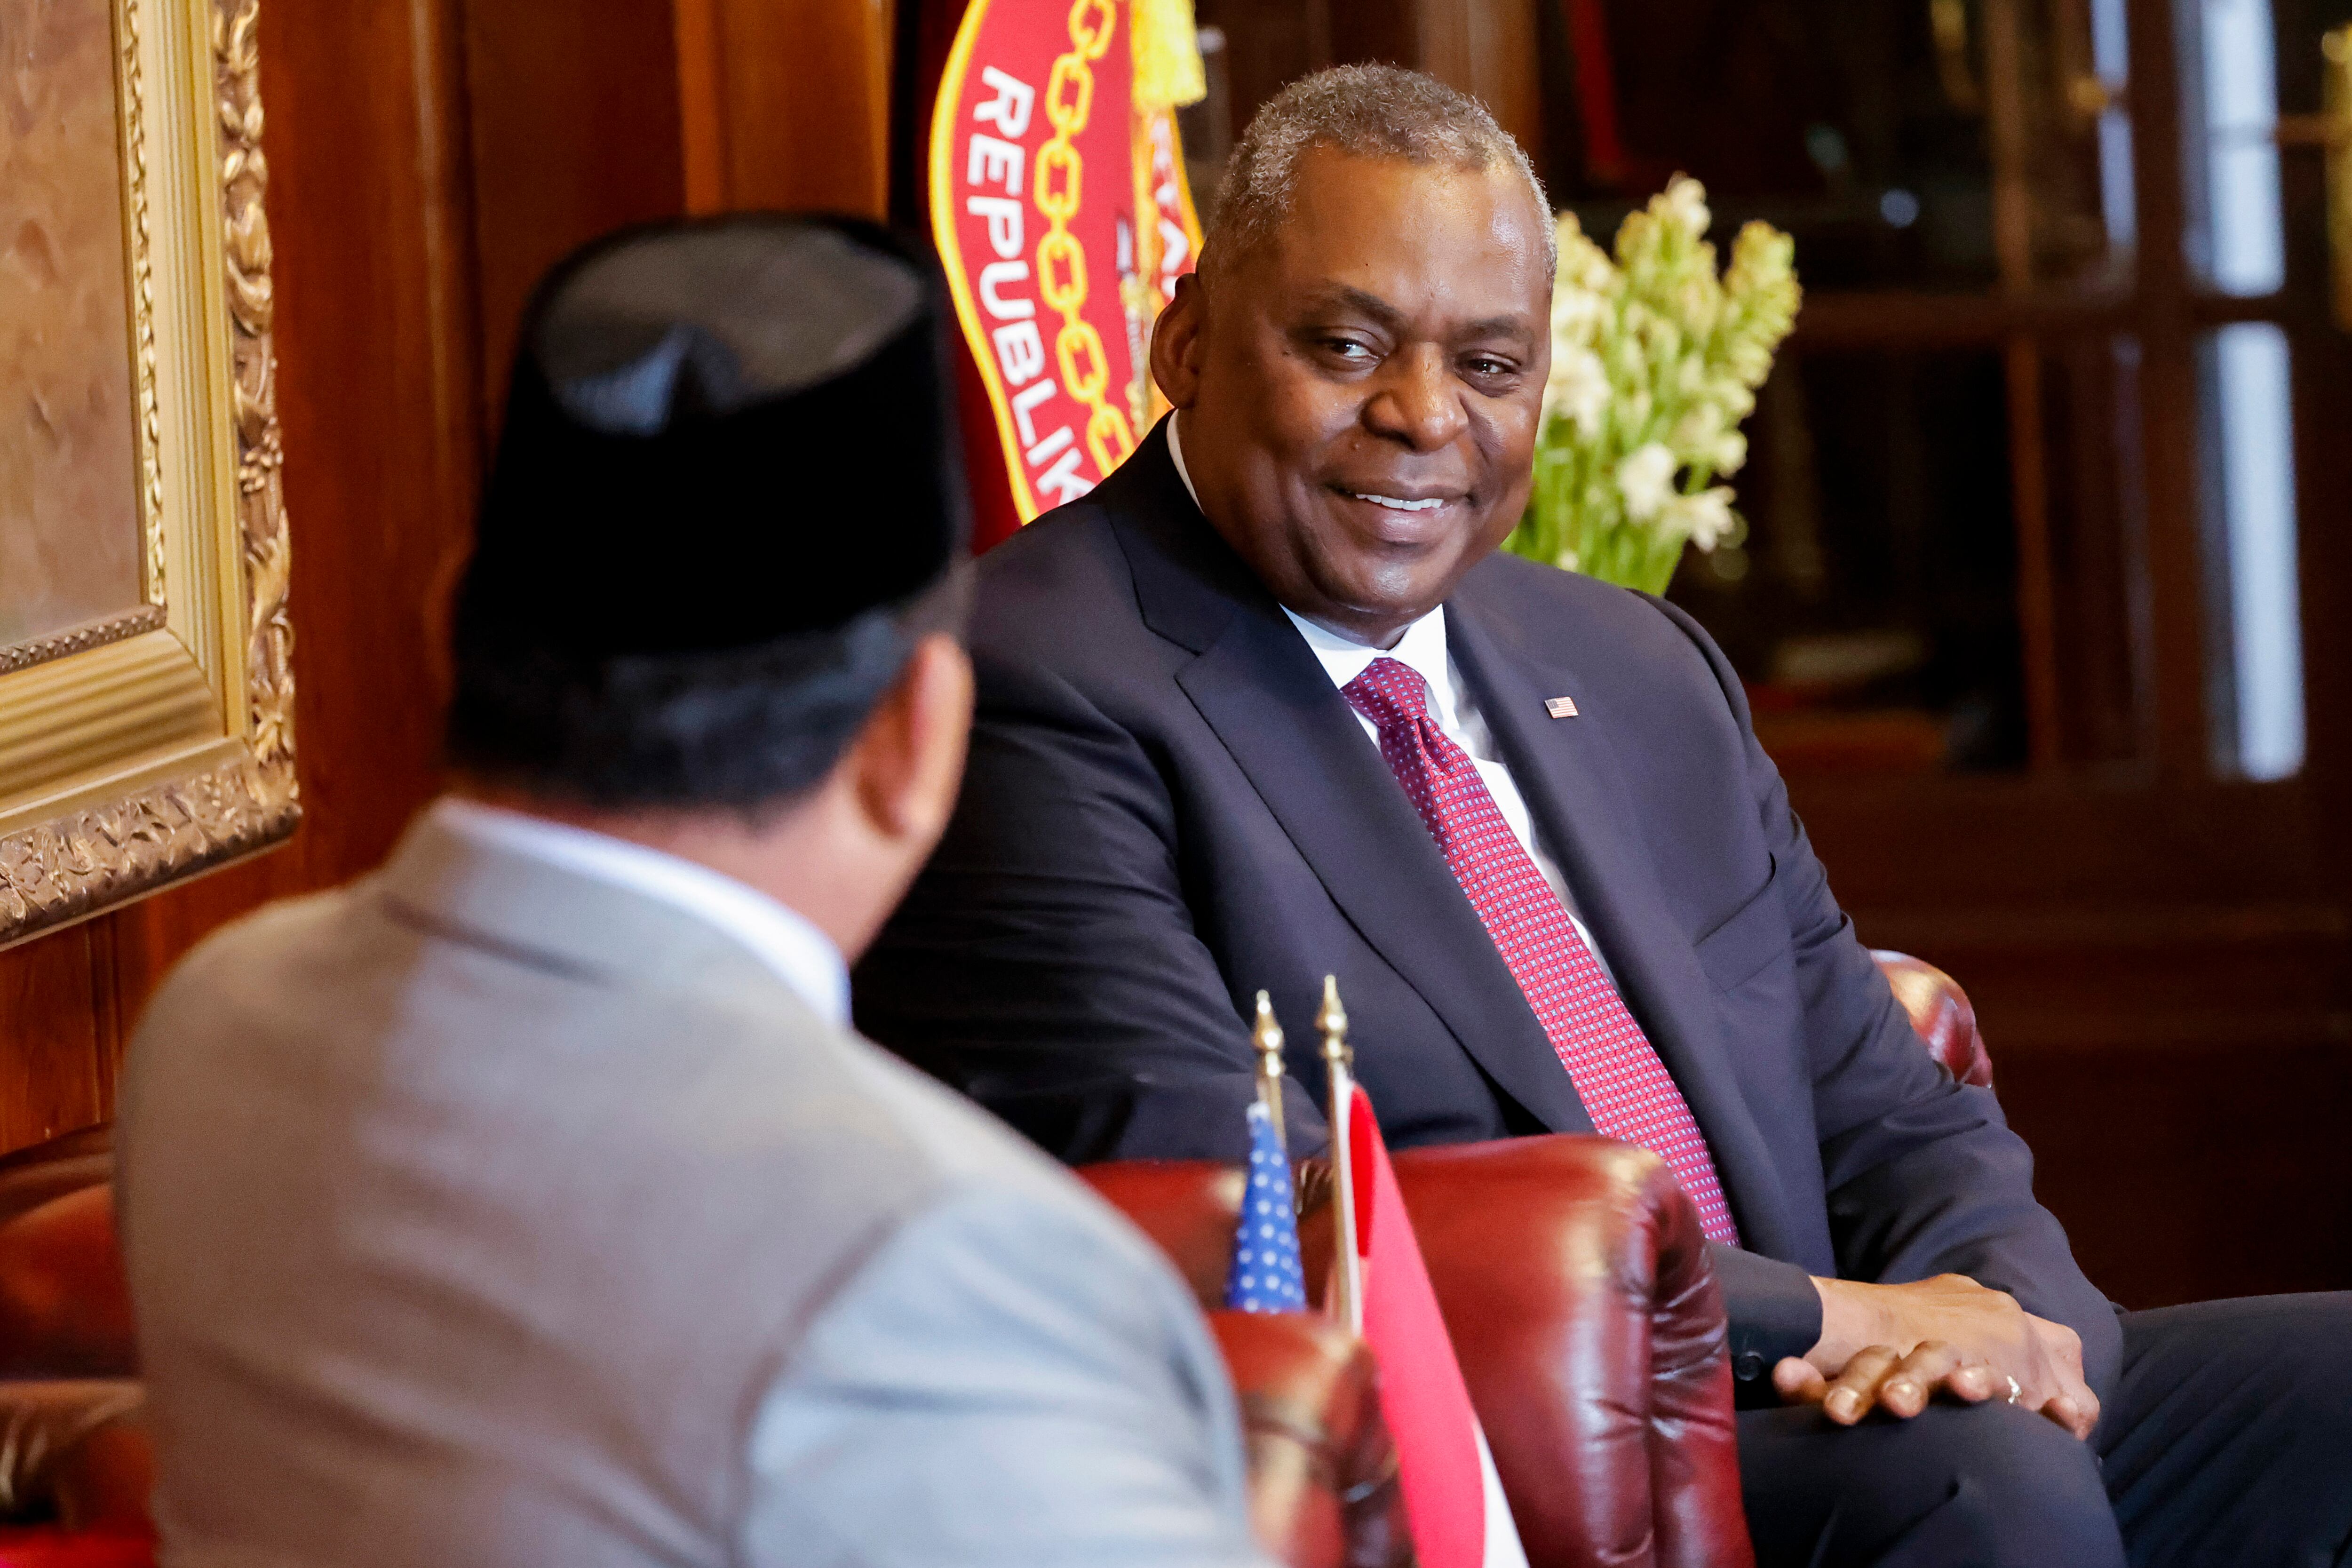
103	1548
1189	1207
1941	1014
1592	1337
1574	1276
75	1452
65	1309
70	1452
66	1163
1323	1475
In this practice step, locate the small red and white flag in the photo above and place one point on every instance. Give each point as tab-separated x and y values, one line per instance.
1453	1497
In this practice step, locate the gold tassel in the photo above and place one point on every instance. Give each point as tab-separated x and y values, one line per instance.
1167	73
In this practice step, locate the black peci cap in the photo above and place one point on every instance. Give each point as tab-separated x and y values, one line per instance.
722	435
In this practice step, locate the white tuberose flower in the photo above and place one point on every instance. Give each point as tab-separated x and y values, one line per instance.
1704	519
1685	201
1646	479
1577	390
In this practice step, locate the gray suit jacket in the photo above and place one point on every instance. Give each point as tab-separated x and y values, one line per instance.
482	1213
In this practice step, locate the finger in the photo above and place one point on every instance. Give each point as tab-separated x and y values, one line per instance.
1799	1381
2077	1413
1975	1384
1917	1376
1855	1389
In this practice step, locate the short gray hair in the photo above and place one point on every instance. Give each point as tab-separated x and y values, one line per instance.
1365	111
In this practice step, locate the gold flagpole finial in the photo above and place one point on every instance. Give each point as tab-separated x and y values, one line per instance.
1346	1297
1332	1020
1266	1034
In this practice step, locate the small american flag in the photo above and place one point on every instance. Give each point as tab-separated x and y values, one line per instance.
1267	1276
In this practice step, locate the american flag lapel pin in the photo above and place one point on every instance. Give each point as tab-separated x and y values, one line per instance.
1560	706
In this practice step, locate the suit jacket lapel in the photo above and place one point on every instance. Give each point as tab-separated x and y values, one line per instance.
1585	814
1262	691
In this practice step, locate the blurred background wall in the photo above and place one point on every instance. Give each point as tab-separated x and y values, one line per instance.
2044	600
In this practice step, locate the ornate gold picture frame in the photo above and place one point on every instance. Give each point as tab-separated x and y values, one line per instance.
152	740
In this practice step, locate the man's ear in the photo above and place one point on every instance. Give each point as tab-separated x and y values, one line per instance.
908	762
1176	342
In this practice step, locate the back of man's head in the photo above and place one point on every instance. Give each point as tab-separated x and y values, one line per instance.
727	503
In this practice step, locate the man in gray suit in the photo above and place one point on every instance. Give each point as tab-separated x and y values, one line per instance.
530	1201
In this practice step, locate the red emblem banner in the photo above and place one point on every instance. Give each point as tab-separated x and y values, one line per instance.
1059	208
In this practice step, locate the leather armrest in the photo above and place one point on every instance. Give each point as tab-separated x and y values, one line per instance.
31	1176
65	1307
1189	1209
1323	1476
1574	1278
45	1548
1941	1015
74	1454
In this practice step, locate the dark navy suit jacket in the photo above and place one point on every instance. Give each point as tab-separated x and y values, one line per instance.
1169	806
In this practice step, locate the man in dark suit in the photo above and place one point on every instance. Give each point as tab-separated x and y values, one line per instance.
1268	704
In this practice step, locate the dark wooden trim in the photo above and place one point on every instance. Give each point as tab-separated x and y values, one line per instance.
2169	392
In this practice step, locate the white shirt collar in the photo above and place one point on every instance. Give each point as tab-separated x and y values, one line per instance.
800	954
1421	649
1176	450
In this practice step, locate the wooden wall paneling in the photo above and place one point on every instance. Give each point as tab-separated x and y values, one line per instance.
2323	376
1489	49
1388	31
2098	523
786	103
923	34
2169	386
1269	46
57	1019
574	116
703	142
380	393
2183	1176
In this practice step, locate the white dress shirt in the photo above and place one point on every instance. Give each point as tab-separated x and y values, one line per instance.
1422	649
802	956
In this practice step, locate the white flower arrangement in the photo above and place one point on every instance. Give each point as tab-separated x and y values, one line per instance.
1654	362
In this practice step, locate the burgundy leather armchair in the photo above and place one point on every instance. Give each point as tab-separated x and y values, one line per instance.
1586	1319
74	1463
1323	1473
1941	1015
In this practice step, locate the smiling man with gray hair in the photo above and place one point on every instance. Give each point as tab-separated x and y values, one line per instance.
1269	705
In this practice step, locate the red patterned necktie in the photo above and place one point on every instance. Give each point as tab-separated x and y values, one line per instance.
1626	1089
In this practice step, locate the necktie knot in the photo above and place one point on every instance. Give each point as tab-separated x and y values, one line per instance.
1389	692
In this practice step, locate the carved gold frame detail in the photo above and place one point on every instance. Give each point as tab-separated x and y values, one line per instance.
158	744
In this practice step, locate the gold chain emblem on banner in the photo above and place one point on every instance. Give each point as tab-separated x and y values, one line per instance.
1061	261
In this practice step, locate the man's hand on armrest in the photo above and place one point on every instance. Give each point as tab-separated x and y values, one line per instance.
1894	1347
